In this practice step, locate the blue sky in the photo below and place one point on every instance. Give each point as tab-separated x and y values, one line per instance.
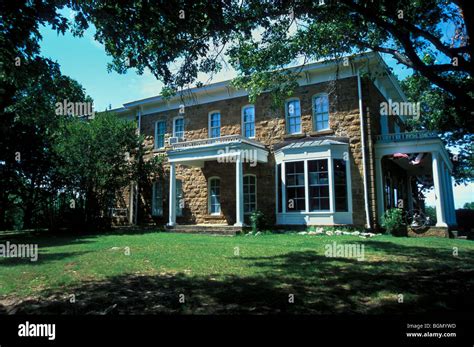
84	59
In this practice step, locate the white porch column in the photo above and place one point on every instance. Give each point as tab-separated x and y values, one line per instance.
379	187
239	193
172	208
451	200
438	187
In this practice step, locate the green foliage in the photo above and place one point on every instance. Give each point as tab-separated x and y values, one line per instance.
257	221
438	113
469	205
393	222
430	212
96	161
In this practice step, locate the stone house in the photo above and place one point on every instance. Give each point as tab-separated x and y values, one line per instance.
330	155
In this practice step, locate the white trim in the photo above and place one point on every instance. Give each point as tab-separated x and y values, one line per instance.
287	123
174	126
209	196
256	194
156	134
153	199
328	152
313	108
363	145
209	128
242	122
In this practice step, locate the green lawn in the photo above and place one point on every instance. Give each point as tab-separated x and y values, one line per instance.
261	278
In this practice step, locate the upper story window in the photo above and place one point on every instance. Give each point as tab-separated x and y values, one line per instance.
178	127
248	121
160	130
321	112
214	124
293	116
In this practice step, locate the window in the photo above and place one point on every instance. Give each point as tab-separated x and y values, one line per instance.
295	187
179	198
250	194
340	185
321	112
214	196
279	188
293	116
318	185
248	121
160	129
214	124
157	199
178	127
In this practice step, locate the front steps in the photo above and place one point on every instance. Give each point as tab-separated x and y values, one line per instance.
213	229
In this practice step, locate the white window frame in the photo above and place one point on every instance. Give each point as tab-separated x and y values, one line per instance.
255	177
154	208
156	134
244	122
209	123
174	126
209	196
179	209
287	122
315	114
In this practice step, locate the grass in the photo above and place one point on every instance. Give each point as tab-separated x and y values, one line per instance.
239	274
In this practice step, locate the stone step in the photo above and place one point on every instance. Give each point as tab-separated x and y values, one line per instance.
206	229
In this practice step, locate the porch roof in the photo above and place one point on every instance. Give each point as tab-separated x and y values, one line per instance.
411	142
197	152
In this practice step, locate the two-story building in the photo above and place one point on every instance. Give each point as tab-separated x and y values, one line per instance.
328	156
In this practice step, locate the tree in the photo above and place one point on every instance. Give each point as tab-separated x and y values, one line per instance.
469	205
184	38
96	162
28	175
264	36
438	114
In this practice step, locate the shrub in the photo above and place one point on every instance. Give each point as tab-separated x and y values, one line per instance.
256	221
392	221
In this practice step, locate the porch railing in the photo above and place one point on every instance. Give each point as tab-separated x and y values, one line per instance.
215	140
408	136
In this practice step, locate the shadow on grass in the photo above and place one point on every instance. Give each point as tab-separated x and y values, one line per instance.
42	258
430	282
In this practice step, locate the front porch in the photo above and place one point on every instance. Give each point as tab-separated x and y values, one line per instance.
225	150
404	162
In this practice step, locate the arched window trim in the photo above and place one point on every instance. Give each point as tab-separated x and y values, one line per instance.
209	196
315	121
287	101
243	120
174	126
209	122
